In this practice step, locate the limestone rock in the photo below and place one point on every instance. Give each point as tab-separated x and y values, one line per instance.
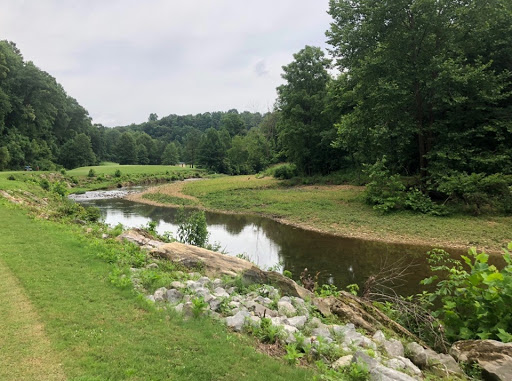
286	308
177	285
403	364
173	296
260	310
220	293
379	337
494	357
296	321
140	238
237	321
160	294
379	372
323	332
417	354
342	362
394	348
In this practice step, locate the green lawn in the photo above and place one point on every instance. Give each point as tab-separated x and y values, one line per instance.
97	331
111	168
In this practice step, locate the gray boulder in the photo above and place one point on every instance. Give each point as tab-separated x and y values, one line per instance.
379	372
416	353
159	294
220	293
260	310
403	364
237	321
394	348
177	285
342	362
296	321
286	308
494	357
173	296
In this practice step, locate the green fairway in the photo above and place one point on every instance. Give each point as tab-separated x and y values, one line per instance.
97	331
111	168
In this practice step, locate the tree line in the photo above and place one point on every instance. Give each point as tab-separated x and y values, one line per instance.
415	88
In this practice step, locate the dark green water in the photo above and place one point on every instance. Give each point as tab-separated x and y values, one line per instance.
338	260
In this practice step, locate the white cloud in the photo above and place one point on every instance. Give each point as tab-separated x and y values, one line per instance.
123	59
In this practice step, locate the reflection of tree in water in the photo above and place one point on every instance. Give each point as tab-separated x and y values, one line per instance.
233	223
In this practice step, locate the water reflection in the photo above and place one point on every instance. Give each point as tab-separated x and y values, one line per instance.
340	261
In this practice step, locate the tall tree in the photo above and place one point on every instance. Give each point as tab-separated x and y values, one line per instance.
212	151
78	152
170	155
127	149
301	103
426	91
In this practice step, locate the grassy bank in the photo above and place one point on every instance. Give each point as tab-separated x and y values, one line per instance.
62	318
336	209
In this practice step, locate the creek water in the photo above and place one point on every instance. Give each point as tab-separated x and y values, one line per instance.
339	261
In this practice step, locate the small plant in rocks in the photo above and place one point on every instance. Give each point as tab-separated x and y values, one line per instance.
292	354
198	306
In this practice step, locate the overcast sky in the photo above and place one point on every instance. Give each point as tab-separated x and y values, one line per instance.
124	59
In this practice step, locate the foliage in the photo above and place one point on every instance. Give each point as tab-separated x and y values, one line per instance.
170	155
478	190
117	173
198	306
292	354
418	201
384	191
327	290
353	288
91	173
192	229
267	332
284	171
59	188
475	297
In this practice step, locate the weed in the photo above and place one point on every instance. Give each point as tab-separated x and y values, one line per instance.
198	306
292	354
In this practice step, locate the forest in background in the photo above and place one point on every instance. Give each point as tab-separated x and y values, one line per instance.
419	90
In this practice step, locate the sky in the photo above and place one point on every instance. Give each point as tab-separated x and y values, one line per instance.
125	59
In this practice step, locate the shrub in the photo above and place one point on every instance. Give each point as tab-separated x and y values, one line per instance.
91	173
192	229
283	171
59	188
117	173
45	184
384	191
475	303
477	190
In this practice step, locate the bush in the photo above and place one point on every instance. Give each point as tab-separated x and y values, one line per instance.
91	173
283	171
59	188
477	190
384	191
117	173
45	184
475	303
192	229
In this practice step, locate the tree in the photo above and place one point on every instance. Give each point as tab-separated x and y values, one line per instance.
5	157
301	103
142	154
233	123
170	155
127	149
237	156
212	152
153	117
192	141
77	152
428	83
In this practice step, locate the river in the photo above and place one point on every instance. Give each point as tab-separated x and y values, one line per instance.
340	261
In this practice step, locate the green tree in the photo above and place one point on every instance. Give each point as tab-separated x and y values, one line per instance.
212	152
237	156
427	81
5	157
126	149
142	154
191	148
77	152
170	155
233	123
303	125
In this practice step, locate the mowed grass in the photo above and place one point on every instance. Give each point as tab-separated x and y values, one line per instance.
99	332
111	168
341	210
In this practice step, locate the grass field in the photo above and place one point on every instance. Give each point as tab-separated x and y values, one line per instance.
63	319
340	209
111	168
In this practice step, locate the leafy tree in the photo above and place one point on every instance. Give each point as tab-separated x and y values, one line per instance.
238	155
77	152
191	149
233	123
212	152
425	90
153	117
5	157
170	155
142	154
127	149
301	102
